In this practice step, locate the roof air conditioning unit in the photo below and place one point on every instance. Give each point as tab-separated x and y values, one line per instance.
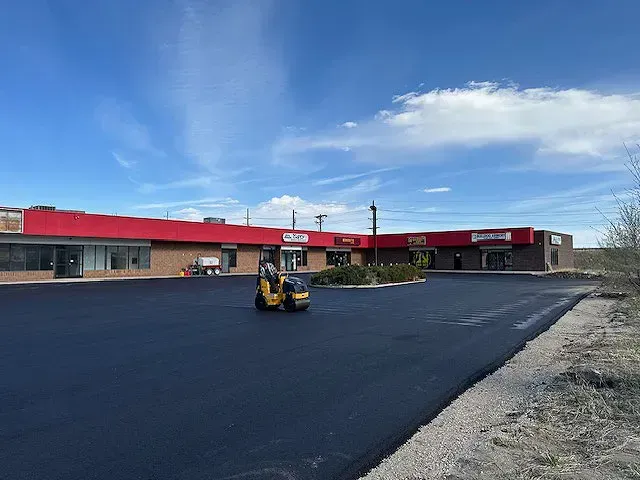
214	220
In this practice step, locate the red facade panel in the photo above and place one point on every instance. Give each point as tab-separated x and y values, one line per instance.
69	224
72	224
461	238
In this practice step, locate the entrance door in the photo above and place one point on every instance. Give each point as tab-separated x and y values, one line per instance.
225	261
496	260
457	261
289	263
68	262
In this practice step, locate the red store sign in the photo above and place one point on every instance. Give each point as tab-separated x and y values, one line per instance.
350	241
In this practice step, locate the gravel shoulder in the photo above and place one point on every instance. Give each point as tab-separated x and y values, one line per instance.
498	428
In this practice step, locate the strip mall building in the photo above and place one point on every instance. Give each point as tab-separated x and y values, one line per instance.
41	244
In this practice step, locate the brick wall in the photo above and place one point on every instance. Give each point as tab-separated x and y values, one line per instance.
247	258
25	276
471	258
358	256
529	257
565	251
316	259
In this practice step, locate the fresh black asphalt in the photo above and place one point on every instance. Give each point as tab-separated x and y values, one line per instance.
184	379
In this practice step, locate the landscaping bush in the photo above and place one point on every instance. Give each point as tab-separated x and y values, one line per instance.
359	275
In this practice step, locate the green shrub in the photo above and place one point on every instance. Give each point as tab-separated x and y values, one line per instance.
359	275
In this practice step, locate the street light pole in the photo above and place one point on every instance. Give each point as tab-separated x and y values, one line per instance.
374	210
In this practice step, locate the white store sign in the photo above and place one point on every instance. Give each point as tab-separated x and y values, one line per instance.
291	237
556	240
481	237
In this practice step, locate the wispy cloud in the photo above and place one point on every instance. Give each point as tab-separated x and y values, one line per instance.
118	122
210	202
200	181
587	195
354	176
122	161
570	123
437	190
226	78
348	125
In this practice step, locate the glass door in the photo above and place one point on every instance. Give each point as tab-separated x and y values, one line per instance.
289	261
68	262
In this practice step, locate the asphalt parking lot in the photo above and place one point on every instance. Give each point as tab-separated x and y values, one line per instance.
184	379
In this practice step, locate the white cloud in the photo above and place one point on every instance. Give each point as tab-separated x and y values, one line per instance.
348	125
278	211
562	122
190	213
122	161
343	178
117	121
437	190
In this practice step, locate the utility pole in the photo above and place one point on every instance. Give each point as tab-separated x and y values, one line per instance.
293	219
320	218
247	218
374	210
167	214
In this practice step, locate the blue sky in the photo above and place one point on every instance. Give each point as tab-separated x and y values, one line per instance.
449	114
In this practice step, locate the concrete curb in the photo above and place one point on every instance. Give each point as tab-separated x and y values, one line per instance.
382	285
120	279
487	272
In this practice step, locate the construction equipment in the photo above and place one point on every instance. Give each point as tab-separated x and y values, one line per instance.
274	289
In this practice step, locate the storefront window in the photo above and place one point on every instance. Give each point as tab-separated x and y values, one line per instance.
101	254
117	258
5	255
133	257
145	258
18	255
32	257
422	258
90	257
46	257
497	260
338	259
269	255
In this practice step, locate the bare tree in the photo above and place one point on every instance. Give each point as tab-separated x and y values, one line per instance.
621	237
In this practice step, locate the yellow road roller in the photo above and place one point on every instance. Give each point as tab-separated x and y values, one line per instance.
274	289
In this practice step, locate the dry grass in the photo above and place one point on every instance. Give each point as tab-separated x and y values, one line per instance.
586	424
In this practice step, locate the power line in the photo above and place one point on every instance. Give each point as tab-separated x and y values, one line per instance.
502	214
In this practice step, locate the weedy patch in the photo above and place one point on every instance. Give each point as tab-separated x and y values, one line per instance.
585	424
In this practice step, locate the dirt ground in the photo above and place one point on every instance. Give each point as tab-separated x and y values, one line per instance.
566	407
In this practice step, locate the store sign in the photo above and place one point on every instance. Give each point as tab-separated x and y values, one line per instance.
290	237
10	221
482	237
351	241
413	241
556	240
